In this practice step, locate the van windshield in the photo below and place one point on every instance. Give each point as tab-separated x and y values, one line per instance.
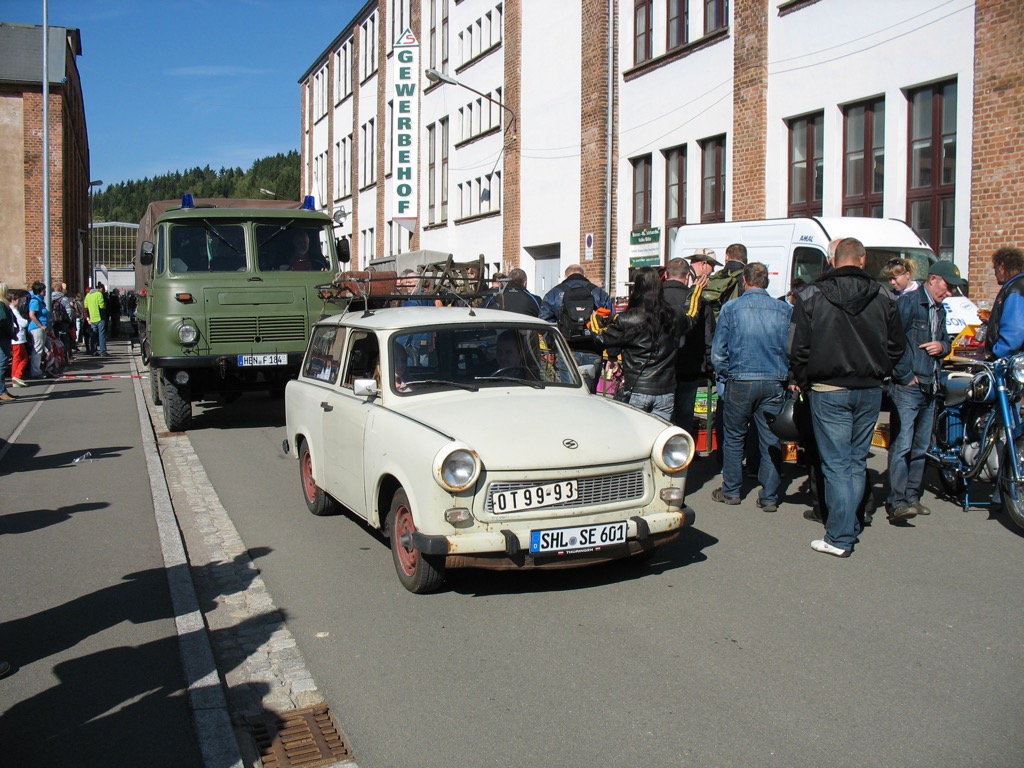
879	257
293	246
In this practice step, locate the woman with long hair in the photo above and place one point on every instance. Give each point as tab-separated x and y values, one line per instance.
647	336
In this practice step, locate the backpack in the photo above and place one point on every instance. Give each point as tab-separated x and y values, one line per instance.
23	305
574	316
59	311
722	286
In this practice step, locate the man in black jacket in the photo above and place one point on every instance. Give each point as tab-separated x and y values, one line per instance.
514	297
845	339
693	360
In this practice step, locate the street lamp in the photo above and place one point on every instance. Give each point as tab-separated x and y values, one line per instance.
267	192
436	76
92	258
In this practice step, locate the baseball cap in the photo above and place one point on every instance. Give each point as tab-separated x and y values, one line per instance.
705	254
947	271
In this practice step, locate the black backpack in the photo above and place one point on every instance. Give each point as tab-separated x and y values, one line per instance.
60	312
577	307
23	305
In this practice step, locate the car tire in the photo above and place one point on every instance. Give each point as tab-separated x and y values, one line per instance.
317	501
418	573
177	408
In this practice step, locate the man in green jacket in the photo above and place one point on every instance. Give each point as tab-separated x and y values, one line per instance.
95	305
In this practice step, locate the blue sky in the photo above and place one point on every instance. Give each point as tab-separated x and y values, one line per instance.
175	84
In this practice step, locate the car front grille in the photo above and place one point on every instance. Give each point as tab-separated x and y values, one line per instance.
254	330
592	491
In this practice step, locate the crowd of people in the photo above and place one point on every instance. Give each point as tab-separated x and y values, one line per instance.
823	355
38	338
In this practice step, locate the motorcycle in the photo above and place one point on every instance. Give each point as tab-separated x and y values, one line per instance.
978	433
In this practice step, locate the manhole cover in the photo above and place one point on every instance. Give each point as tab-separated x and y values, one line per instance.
301	737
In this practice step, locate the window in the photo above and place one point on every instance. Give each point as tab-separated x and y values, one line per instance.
444	169
431	173
323	359
864	161
432	34
368	144
932	182
806	171
400	18
642	28
675	191
368	244
444	35
388	137
641	193
368	45
345	167
343	72
678	23
712	191
716	15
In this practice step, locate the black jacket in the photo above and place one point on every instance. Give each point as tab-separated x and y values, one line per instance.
515	298
648	363
693	361
846	331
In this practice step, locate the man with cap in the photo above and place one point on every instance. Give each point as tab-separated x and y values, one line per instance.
915	384
703	263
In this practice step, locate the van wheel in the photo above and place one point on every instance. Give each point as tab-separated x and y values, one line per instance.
177	408
317	502
418	573
154	385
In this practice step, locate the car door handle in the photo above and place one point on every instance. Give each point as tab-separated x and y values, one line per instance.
326	406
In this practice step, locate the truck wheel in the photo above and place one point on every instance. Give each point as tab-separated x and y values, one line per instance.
177	409
418	573
317	502
154	385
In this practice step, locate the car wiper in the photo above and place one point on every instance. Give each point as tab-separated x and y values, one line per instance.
213	230
278	231
528	382
442	383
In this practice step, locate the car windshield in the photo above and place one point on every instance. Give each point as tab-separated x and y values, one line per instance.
469	358
292	246
879	257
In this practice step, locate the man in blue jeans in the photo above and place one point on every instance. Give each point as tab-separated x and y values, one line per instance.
846	339
749	354
915	383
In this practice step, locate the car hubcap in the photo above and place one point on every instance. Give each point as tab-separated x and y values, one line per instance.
404	525
308	485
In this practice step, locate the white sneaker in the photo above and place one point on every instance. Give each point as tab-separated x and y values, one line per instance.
820	545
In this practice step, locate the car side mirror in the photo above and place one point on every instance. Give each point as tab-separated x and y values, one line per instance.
365	387
146	257
588	371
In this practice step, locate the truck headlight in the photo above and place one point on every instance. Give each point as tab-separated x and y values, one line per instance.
673	451
456	467
187	334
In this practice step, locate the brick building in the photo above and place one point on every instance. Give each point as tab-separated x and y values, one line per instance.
21	152
714	111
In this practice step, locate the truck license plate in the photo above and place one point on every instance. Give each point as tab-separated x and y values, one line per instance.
584	537
247	360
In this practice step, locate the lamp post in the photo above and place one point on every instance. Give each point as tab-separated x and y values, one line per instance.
436	76
92	258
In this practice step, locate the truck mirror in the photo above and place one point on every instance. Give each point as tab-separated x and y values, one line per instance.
146	257
344	254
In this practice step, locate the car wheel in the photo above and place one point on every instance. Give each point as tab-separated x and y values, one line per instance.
177	408
317	502
418	573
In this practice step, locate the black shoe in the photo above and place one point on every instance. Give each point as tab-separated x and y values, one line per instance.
767	507
813	515
865	519
921	508
902	513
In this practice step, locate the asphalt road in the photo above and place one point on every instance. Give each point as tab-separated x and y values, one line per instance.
737	646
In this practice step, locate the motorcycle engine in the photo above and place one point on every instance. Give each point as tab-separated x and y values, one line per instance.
990	471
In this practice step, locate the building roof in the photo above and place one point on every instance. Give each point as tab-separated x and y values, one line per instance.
21	52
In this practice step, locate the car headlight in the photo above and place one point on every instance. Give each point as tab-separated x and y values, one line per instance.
187	334
456	467
673	451
1017	368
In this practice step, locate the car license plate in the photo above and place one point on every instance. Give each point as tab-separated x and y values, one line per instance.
580	538
535	496
247	360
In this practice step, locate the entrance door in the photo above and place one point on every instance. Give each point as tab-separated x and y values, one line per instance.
547	267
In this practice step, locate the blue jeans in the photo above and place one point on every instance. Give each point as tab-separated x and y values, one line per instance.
659	405
844	421
686	397
746	401
912	421
99	329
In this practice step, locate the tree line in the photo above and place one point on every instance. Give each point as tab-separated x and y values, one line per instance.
127	200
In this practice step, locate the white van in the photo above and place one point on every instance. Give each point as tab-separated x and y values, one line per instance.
795	249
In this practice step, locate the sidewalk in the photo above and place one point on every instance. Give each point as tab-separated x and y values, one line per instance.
95	600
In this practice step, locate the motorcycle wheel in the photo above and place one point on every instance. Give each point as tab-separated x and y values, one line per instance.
1013	492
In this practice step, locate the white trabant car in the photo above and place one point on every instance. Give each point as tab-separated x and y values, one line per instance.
471	439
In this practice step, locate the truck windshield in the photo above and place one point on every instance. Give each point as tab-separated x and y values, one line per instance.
291	247
204	247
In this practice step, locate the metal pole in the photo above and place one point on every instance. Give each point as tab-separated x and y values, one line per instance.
608	178
46	154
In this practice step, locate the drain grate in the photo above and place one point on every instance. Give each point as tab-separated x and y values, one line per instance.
300	737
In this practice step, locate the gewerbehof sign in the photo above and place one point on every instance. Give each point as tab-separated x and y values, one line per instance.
405	130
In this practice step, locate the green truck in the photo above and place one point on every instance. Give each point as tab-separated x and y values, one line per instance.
228	293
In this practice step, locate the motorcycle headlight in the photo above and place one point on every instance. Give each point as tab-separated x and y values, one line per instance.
673	451
187	334
1017	368
456	467
983	387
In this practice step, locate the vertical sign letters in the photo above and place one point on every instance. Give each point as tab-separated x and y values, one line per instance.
406	131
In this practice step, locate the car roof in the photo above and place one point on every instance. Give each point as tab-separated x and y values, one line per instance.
398	318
